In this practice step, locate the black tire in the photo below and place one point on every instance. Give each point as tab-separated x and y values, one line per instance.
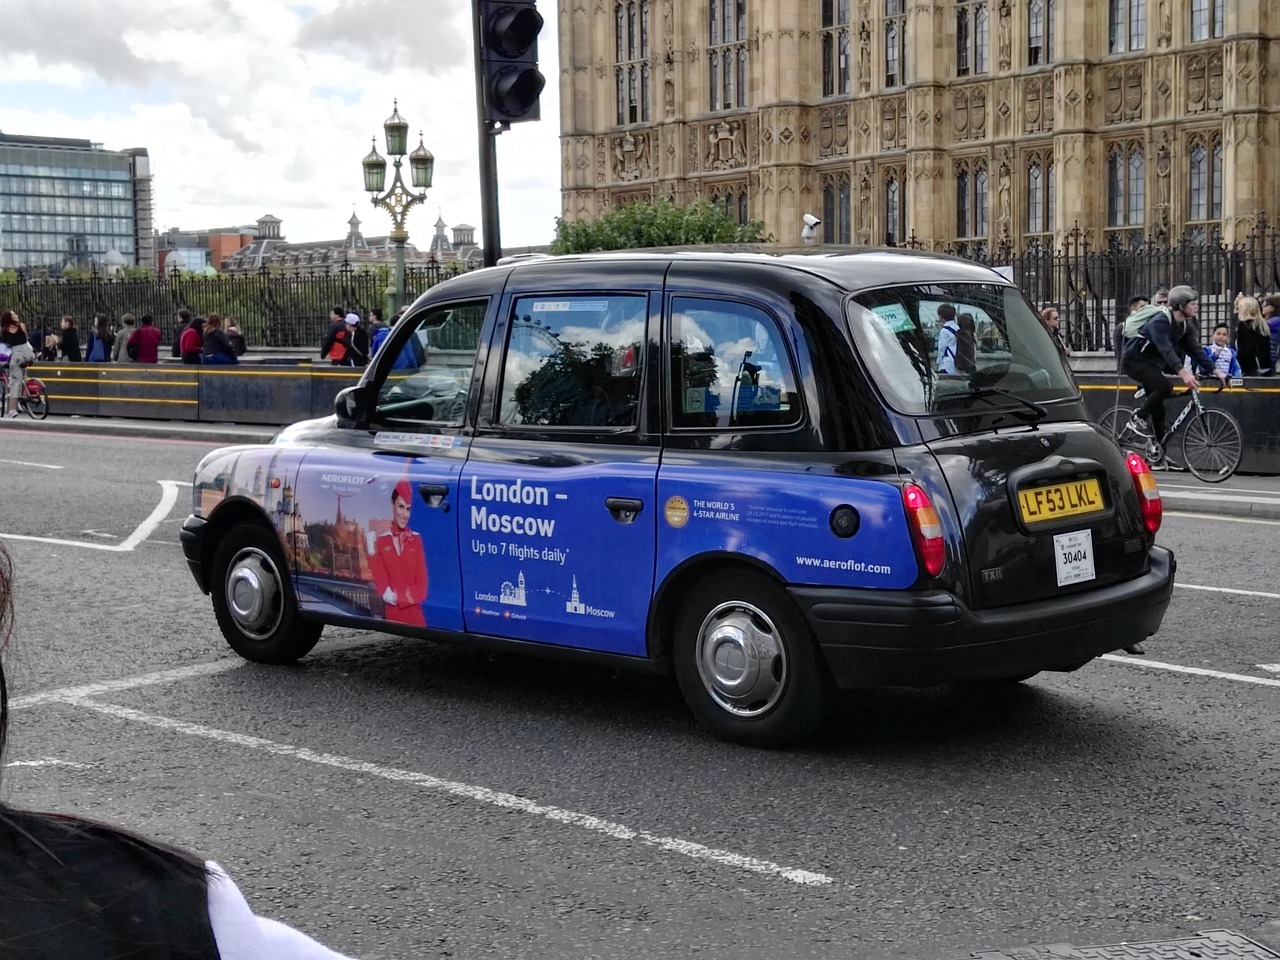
38	401
1212	445
1114	424
784	703
253	598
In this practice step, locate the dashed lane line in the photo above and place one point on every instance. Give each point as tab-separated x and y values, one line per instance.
1242	593
467	791
27	463
1193	671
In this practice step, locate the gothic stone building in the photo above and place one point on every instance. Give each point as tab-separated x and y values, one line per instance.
957	122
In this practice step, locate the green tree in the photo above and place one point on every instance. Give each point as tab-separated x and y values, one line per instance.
657	224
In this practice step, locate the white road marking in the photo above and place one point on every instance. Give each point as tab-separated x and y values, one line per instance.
168	497
1270	667
1243	593
1214	516
175	675
1173	486
1193	671
495	798
1217	497
50	762
42	466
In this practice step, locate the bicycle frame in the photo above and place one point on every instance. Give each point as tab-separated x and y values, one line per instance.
1192	404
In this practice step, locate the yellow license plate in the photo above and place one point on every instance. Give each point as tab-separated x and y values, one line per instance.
1058	500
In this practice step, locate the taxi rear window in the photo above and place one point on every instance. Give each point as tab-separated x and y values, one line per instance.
935	348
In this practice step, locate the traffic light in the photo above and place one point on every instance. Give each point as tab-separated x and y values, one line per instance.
509	60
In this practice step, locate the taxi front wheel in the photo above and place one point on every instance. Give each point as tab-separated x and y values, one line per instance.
747	663
253	598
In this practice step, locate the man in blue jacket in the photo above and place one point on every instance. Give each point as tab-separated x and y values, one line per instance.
1165	339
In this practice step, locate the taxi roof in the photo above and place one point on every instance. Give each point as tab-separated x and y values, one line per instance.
849	267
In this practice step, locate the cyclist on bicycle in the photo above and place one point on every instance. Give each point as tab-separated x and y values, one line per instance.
1158	349
13	334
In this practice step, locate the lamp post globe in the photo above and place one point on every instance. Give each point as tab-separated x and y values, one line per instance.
397	131
375	170
422	164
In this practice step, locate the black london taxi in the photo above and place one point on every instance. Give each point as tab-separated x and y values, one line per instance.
777	475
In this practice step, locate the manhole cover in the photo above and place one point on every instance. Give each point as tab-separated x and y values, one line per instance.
1208	945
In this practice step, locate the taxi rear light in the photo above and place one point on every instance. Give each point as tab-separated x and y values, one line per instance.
1144	483
926	528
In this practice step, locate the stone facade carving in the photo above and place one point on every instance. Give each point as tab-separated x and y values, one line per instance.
727	145
1067	113
893	123
1124	100
833	131
631	157
969	112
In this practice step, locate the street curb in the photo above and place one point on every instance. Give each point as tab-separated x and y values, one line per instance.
213	433
1254	509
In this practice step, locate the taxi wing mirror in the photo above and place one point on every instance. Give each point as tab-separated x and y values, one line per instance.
352	405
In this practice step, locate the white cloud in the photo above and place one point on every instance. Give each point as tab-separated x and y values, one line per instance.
264	106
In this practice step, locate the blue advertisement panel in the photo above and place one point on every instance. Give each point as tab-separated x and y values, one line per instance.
378	537
265	475
784	520
544	558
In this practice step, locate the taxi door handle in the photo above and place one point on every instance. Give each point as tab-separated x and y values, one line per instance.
435	495
624	509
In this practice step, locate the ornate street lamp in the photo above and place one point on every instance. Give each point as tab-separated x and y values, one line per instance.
399	199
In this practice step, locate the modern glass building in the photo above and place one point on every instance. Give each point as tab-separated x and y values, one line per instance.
66	203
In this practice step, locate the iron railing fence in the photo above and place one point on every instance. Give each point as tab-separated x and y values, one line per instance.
273	309
1090	286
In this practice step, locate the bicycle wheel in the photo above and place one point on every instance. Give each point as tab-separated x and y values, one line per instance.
1115	424
37	399
1212	445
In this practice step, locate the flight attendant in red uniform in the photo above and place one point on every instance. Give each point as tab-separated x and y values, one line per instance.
399	565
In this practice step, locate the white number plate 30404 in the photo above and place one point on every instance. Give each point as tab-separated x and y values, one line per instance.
1073	553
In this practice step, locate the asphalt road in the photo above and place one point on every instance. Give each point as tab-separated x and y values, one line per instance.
398	799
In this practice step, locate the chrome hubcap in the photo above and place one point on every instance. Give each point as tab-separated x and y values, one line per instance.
254	593
741	659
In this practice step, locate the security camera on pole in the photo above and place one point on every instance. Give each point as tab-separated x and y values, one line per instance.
508	85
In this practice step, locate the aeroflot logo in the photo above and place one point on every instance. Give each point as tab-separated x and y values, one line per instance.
345	478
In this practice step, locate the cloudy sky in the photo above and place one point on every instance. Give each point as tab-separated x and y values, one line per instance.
250	107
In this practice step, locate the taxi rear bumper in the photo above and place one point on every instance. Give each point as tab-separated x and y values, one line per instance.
880	638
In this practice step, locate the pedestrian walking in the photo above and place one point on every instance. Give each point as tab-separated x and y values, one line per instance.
120	349
72	887
1271	312
97	348
357	342
144	343
239	342
1253	339
1222	353
191	340
1052	321
335	343
378	331
69	341
215	347
13	335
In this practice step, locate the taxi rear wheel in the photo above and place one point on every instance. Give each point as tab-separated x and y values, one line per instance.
747	663
253	598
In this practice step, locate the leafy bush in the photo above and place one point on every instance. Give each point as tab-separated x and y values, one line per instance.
654	224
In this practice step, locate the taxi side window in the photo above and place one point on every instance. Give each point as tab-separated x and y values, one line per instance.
729	367
574	361
431	374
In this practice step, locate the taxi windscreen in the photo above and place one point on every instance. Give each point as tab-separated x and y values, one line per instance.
957	347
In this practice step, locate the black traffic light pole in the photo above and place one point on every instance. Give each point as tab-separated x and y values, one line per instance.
489	229
507	88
